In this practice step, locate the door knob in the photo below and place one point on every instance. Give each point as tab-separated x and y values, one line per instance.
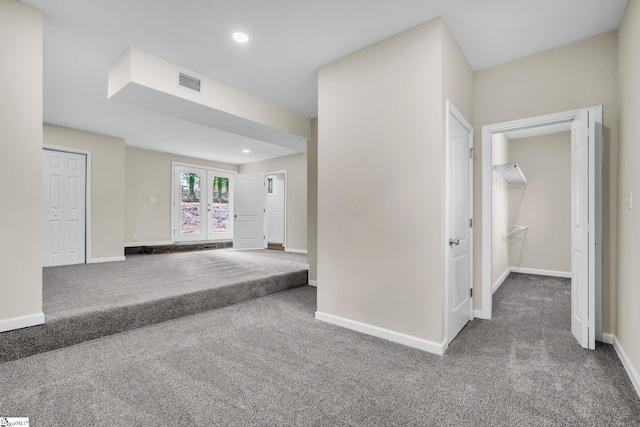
454	242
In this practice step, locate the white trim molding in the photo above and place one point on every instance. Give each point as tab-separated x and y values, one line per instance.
522	270
397	337
501	280
487	183
608	338
296	251
313	283
107	259
626	362
478	314
21	322
539	272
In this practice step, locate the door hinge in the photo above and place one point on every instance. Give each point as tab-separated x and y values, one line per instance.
471	292
471	153
174	231
470	222
264	210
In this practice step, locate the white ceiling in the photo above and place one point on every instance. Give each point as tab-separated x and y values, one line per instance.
290	40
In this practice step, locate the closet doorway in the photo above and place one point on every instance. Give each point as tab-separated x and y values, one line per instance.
584	128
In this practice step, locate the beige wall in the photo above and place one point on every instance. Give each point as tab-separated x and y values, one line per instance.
457	77
381	181
107	186
500	210
545	205
580	74
312	202
296	167
148	174
21	172
628	268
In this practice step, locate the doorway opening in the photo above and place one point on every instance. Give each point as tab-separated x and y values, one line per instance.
507	225
275	218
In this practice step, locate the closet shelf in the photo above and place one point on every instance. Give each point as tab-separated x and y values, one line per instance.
511	174
515	229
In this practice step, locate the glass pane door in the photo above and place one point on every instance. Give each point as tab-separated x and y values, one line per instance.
220	206
191	221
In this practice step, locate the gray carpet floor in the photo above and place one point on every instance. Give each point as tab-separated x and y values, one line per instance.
72	290
89	301
268	362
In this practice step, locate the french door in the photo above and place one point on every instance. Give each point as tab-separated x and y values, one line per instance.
203	204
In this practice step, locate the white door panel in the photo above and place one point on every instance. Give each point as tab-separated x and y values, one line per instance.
64	200
582	254
459	209
249	212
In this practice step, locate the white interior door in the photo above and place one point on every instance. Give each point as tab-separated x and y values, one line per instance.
582	235
459	235
64	200
249	212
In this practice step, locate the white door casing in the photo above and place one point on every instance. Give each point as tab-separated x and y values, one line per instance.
64	208
586	151
582	253
249	212
459	209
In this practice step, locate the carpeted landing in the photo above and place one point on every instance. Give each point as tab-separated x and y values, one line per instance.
267	362
88	301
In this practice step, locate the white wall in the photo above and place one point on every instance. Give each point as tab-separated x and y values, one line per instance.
107	186
148	174
296	167
21	172
312	202
628	267
381	180
545	204
576	75
500	210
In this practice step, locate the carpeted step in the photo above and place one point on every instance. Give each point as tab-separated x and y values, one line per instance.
67	331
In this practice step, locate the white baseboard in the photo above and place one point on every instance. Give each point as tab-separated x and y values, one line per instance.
313	283
296	251
607	338
110	259
386	334
500	280
21	322
553	273
158	243
626	362
479	314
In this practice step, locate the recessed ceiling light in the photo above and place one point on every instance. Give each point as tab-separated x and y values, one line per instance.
246	151
240	37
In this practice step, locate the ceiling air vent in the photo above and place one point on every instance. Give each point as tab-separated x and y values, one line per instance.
189	82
